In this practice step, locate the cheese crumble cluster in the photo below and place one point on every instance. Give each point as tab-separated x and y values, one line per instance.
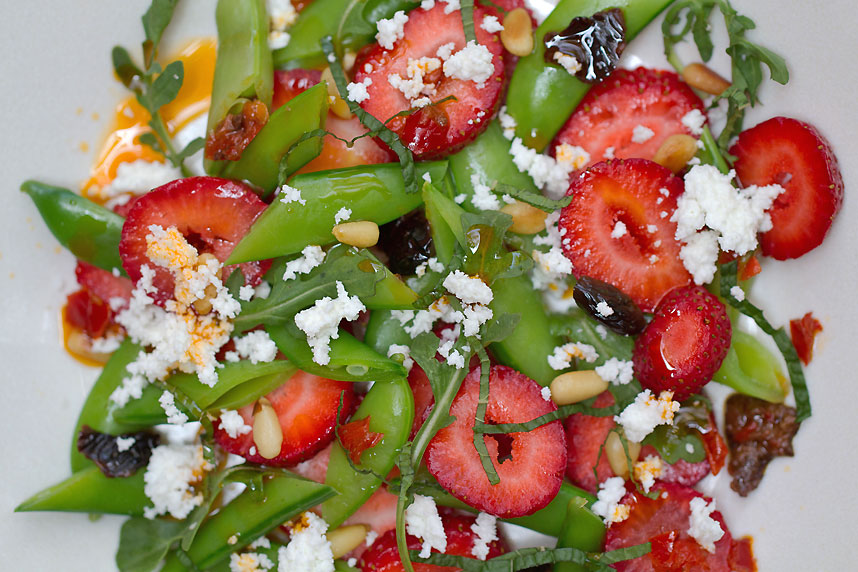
321	321
423	521
643	415
172	472
308	549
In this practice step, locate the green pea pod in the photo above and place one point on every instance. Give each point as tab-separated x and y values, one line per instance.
390	408
249	516
351	22
249	391
351	360
391	293
260	160
537	86
581	529
750	368
90	231
373	192
383	331
549	520
443	238
528	347
88	490
243	69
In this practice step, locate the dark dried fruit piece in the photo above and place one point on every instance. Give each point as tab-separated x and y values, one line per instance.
104	450
596	43
757	432
229	138
407	241
609	305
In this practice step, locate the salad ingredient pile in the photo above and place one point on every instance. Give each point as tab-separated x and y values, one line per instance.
421	269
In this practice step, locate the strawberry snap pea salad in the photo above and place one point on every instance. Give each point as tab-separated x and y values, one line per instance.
428	268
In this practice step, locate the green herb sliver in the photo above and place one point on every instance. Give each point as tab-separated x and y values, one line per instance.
530	557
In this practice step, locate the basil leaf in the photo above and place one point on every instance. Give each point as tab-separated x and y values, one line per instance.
467	10
533	199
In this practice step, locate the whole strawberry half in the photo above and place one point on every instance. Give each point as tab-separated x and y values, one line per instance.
617	228
684	344
796	156
530	464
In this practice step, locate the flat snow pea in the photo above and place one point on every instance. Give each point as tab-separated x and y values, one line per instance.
542	95
750	368
249	516
581	529
383	331
90	231
373	192
549	520
260	160
88	490
243	69
351	360
390	408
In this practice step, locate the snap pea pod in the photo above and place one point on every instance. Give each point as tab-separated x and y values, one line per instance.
373	192
90	231
243	69
249	391
390	408
537	86
351	23
750	368
383	331
260	160
88	490
351	360
581	529
249	516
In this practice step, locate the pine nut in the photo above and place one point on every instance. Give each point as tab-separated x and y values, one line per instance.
204	305
676	151
526	219
346	538
267	433
80	345
699	76
517	33
575	386
362	233
205	258
617	456
337	104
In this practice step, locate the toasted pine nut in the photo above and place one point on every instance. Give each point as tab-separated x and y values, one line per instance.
80	345
349	58
676	151
205	257
517	33
526	219
700	76
337	104
346	538
204	305
575	386
362	233
267	433
617	456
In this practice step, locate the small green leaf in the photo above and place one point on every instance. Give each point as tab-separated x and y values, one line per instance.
166	86
191	148
143	543
124	66
155	21
533	199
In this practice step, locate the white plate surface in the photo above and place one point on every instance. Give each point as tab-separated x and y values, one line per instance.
57	94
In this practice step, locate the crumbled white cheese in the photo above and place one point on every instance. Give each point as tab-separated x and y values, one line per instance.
138	177
413	87
507	123
358	92
460	198
693	121
249	562
169	478
485	531
124	443
473	62
642	134
573	156
445	51
483	198
491	24
256	346
551	268
607	505
643	415
701	526
168	404
281	16
342	215
423	521
647	471
604	309
737	293
233	423
109	343
468	289
308	549
427	177
289	194
321	321
372	535
608	153
563	355
547	173
619	229
699	255
311	257
616	371
403	350
452	6
569	62
427	4
390	30
546	393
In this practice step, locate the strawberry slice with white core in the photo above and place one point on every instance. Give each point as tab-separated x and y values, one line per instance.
430	62
530	464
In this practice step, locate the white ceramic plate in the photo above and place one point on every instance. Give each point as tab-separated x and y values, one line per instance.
56	99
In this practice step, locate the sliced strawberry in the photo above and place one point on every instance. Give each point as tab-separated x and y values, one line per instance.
102	283
803	332
423	396
604	122
796	156
433	131
681	472
644	261
530	465
664	521
383	555
585	435
357	437
213	214
88	313
307	408
684	344
335	153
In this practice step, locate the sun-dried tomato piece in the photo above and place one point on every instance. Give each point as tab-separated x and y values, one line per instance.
803	332
228	140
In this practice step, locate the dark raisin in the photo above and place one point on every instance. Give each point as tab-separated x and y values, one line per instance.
103	450
609	305
407	241
596	43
